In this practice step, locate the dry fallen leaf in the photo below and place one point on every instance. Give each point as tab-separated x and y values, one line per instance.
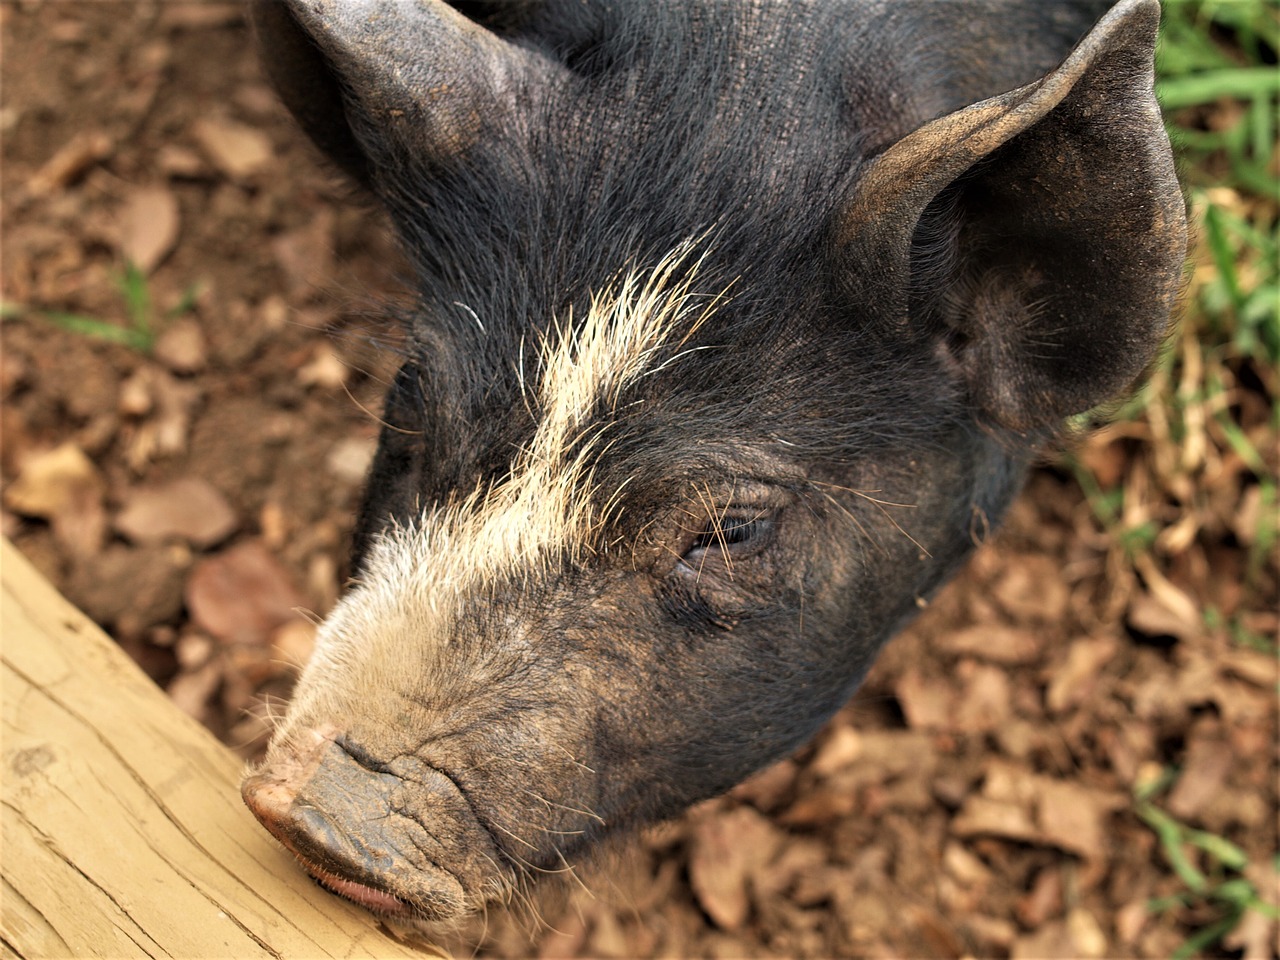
63	486
52	482
75	157
200	16
986	702
182	347
241	595
190	509
607	937
565	939
964	866
1086	934
838	750
325	369
928	704
1071	683
235	149
898	752
176	161
1131	918
349	460
1074	818
168	405
768	788
982	816
820	805
1106	459
135	399
306	254
1152	618
1204	774
1257	936
148	226
323	585
1257	668
993	931
994	642
1032	589
1018	805
1175	599
797	858
725	849
293	642
192	690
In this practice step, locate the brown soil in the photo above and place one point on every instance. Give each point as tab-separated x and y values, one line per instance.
976	798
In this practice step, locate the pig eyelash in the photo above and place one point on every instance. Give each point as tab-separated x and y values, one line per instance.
736	531
731	531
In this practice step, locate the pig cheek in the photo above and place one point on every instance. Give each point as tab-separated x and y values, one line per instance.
790	644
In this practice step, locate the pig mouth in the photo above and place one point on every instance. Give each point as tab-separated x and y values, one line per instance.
400	839
372	899
367	896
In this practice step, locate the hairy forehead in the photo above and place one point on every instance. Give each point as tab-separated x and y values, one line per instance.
673	367
536	377
553	494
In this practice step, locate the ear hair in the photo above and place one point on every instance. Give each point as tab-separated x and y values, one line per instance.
935	254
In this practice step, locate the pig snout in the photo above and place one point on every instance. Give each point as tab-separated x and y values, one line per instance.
374	833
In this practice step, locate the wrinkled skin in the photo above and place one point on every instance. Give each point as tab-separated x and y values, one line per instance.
737	330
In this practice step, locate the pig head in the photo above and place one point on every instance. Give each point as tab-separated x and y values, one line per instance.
737	325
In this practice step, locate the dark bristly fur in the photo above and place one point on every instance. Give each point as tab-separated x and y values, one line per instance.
734	320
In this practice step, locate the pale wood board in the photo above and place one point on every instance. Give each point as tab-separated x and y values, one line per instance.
122	829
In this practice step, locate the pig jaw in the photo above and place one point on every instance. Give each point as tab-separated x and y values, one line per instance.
380	837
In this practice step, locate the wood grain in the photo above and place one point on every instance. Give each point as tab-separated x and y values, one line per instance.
122	826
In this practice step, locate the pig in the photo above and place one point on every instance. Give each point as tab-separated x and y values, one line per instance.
736	325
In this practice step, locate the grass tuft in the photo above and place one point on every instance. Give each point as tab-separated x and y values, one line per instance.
140	329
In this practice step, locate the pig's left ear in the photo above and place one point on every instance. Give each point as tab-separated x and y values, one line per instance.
383	85
1038	235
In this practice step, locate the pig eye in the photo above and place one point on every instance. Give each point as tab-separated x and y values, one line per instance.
739	533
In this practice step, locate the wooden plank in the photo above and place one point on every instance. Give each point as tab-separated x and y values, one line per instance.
122	826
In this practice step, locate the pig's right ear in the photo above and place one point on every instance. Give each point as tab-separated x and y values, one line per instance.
381	84
1038	236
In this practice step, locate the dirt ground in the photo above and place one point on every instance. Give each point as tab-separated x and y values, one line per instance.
191	489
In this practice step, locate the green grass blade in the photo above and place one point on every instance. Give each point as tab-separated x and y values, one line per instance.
1224	257
137	298
187	302
1206	936
1169	833
1220	848
99	330
1241	83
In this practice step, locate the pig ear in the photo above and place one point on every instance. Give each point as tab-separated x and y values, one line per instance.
374	82
1039	235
